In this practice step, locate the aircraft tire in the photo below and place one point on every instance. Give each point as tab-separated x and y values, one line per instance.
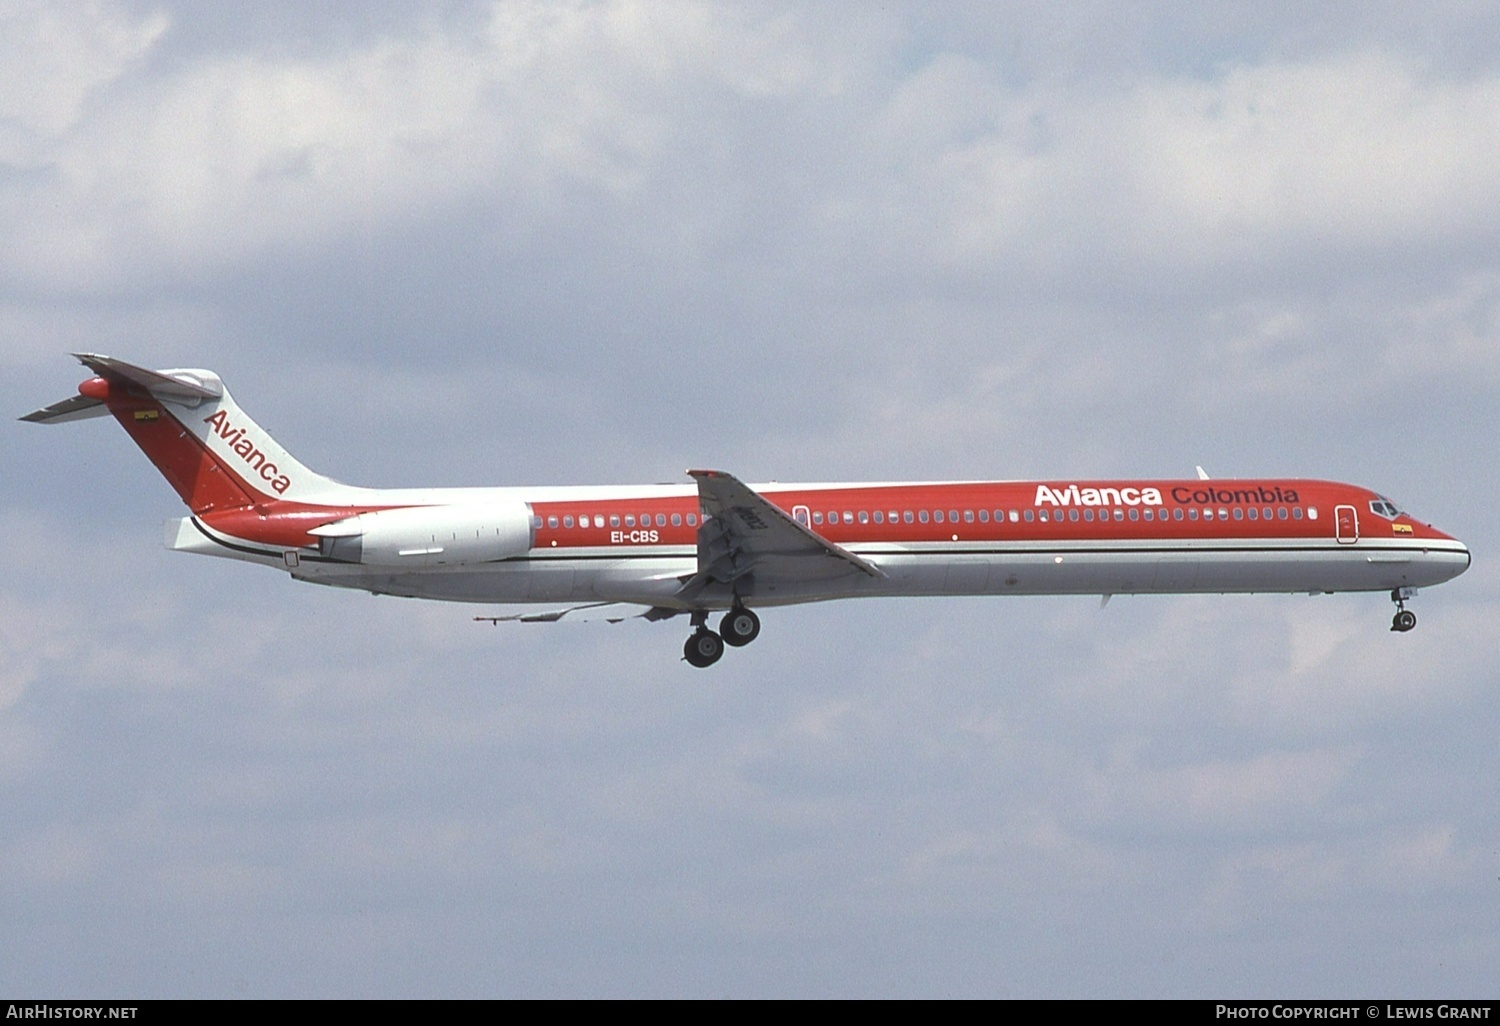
703	648
1404	621
739	627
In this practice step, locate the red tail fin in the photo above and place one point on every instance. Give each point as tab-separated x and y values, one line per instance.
212	454
204	483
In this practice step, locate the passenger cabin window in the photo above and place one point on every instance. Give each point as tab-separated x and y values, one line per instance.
568	520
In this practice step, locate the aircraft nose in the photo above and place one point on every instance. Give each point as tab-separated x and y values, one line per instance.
1456	557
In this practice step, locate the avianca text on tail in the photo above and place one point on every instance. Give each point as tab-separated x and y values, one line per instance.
718	545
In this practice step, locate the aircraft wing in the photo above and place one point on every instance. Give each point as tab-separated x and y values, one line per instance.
745	536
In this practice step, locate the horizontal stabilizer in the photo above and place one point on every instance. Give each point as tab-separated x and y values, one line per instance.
78	407
163	385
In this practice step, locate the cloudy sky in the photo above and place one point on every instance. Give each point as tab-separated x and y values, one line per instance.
536	242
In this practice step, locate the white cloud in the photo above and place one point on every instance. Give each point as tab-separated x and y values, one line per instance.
57	58
1263	790
948	166
231	153
1182	176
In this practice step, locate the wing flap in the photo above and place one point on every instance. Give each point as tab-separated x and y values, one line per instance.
553	615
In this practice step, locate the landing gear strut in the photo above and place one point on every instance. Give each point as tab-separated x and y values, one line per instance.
1405	619
703	647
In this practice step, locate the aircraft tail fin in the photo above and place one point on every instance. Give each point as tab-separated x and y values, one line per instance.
189	426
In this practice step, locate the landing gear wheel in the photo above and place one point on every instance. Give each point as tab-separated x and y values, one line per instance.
1404	620
739	627
703	648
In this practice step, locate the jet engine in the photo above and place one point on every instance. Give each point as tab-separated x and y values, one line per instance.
416	536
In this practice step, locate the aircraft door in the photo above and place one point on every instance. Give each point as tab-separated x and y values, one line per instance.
1346	524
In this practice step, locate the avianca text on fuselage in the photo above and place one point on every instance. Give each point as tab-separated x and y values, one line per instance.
1072	495
234	438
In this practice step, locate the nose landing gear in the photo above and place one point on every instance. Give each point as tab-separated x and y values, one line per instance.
1405	619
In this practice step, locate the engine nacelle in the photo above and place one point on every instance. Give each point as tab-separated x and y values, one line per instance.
420	536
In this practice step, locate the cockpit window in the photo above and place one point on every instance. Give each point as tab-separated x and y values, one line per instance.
1384	507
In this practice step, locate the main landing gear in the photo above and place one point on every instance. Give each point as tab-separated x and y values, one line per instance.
1405	619
704	648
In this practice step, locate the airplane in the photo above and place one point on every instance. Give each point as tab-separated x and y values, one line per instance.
720	545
